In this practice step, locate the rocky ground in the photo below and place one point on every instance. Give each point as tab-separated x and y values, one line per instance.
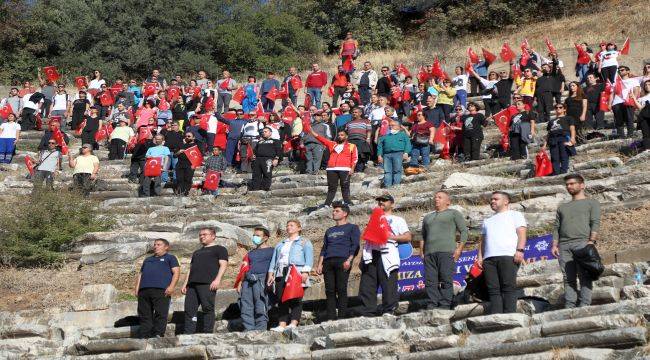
96	322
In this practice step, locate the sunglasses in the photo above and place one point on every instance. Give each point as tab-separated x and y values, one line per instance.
51	142
559	107
189	137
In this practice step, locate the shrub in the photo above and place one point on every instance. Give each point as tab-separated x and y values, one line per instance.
36	229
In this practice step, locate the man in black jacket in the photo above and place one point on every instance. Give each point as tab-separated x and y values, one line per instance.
265	156
184	170
47	135
385	83
544	89
504	87
174	141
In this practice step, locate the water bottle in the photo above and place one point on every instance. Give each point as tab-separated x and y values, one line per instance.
639	277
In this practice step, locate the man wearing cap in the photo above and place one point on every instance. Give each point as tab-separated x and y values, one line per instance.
120	136
439	250
380	263
340	246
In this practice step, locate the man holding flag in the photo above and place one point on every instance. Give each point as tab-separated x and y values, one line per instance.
380	257
49	163
184	167
161	153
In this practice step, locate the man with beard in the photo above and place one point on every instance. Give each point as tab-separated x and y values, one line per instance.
340	166
544	89
265	157
184	171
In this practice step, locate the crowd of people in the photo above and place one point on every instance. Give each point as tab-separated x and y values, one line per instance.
384	119
266	272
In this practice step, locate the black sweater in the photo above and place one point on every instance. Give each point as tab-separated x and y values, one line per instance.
268	148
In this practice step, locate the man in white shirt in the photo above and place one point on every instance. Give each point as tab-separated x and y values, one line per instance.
29	111
501	250
380	264
366	80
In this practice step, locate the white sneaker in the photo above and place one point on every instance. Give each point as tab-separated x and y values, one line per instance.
278	328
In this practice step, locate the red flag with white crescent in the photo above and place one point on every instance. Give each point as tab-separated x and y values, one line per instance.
153	167
29	163
626	47
549	45
194	155
488	56
51	73
80	81
211	182
6	111
378	230
506	53
472	55
239	95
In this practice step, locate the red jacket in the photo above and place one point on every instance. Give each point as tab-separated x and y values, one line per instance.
317	79
345	160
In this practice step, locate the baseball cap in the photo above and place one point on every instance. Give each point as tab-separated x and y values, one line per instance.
385	197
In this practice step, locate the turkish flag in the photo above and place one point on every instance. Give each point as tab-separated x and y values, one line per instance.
57	136
488	56
583	56
603	102
414	114
293	285
296	82
225	84
243	269
239	95
402	69
64	149
173	92
284	92
395	93
289	112
442	134
153	167
506	53
6	110
114	90
468	66
423	76
211	182
272	94
618	85
106	99
143	134
29	163
626	47
436	70
524	44
330	91
406	95
543	165
630	99
472	55
209	104
51	73
336	111
194	156
306	122
132	143
92	92
524	57
551	48
80	81
307	101
377	231
149	89
503	117
259	109
101	134
80	129
516	71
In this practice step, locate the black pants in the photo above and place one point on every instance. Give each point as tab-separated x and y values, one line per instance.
116	149
184	180
545	106
338	91
291	309
501	280
28	119
364	95
45	108
623	116
595	117
474	86
262	174
83	183
644	124
609	74
153	307
439	271
336	287
147	181
135	170
88	137
362	155
472	148
559	154
517	147
372	275
491	106
199	294
334	178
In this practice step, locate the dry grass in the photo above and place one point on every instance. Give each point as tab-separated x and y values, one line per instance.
617	232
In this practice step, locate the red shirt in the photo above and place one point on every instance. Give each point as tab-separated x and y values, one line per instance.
345	160
317	79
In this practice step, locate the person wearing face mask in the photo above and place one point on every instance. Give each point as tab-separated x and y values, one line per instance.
392	149
254	301
340	165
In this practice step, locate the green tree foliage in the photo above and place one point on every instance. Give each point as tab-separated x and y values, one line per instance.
35	229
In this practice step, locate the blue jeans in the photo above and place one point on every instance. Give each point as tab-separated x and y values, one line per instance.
581	72
254	302
231	150
393	168
7	147
315	96
420	150
165	174
460	98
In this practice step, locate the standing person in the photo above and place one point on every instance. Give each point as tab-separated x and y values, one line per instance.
380	263
348	51
340	82
80	107
481	69
184	170
314	83
504	87
544	89
432	112
386	83
439	250
292	90
86	169
13	100
608	63
643	118
489	93
32	103
392	149
9	137
526	87
119	138
446	94
595	117
252	289
234	134
473	123
48	89
576	226
522	132
154	287
459	82
561	135
225	86
266	155
366	80
49	163
422	135
314	149
624	114
267	85
294	250
340	165
215	162
158	151
359	131
60	104
340	247
576	107
93	123
207	267
500	251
